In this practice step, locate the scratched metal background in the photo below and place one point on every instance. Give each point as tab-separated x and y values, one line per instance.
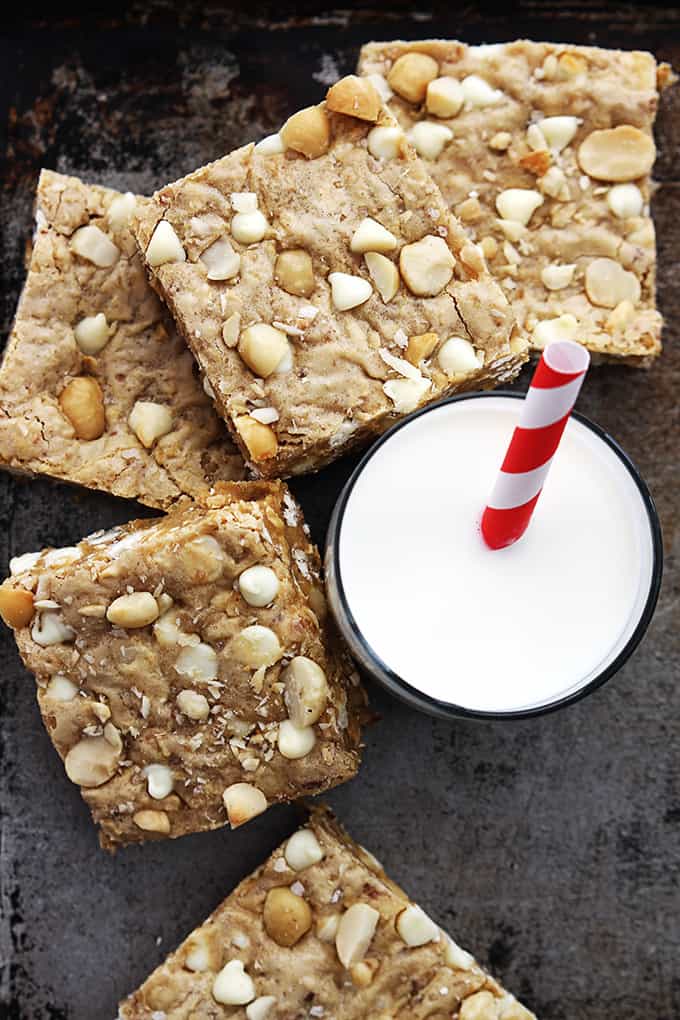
549	847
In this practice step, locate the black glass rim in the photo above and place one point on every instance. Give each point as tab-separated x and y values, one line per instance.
449	710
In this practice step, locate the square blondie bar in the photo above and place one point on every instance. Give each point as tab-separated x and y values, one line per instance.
544	151
186	673
323	285
96	387
320	931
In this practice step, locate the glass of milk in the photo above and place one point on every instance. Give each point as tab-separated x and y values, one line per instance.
457	629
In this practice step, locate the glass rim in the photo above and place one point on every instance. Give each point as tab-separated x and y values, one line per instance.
418	699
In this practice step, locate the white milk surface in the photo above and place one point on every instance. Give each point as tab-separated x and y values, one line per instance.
493	630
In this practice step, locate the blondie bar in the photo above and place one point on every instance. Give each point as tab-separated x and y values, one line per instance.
320	931
323	285
186	673
96	387
544	151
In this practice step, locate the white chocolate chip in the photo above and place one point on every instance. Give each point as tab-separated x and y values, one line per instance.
381	86
50	629
199	957
26	561
258	585
270	146
547	331
429	138
479	1006
556	277
303	850
164	246
478	93
243	201
348	291
92	333
60	688
608	283
385	142
295	741
159	781
91	762
121	209
137	609
150	421
261	1008
198	662
384	274
518	204
263	348
243	802
249	227
456	957
267	415
256	646
625	200
193	705
232	986
221	261
92	244
306	692
457	356
426	266
203	559
415	928
444	97
355	933
558	131
167	632
372	236
406	394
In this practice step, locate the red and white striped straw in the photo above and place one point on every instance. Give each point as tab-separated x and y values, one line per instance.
545	412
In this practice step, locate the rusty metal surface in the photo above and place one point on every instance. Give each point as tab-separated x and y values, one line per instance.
549	847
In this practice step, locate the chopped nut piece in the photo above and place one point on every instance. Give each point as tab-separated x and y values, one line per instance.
415	927
536	162
625	200
136	610
303	850
489	247
410	75
92	244
469	210
518	204
91	762
221	261
478	93
501	141
26	561
294	272
263	347
249	227
258	585
444	97
421	347
406	394
231	330
150	421
479	1006
272	145
199	955
571	65
355	933
348	291
362	973
455	956
429	138
306	690
622	153
556	277
152	821
164	246
608	283
426	266
307	132
621	316
564	327
193	705
50	629
286	917
159	780
327	928
256	646
16	607
372	236
243	802
92	333
385	142
355	97
243	201
457	356
295	741
261	1008
233	986
82	402
121	209
199	662
554	183
259	439
384	274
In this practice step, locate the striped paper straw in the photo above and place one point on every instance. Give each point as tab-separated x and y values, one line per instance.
545	412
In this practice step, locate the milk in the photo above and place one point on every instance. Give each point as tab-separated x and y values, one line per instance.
489	631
